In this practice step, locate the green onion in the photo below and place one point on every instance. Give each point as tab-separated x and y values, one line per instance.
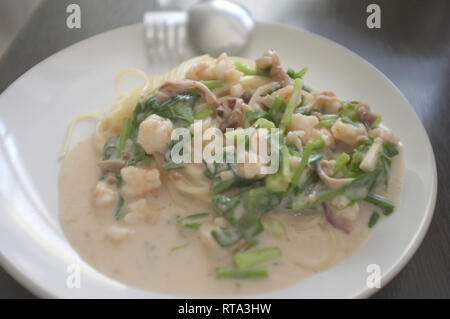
384	203
279	182
356	190
327	123
254	257
277	102
192	220
264	123
276	110
213	84
390	149
312	179
177	248
301	109
341	161
373	219
307	88
233	273
120	210
329	117
292	104
246	69
203	113
293	75
314	158
349	111
276	183
124	134
347	120
315	144
328	120
357	158
322	197
285	164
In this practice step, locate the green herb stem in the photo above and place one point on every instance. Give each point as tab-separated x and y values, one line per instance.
254	257
233	273
124	134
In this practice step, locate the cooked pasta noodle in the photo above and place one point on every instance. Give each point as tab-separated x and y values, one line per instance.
70	129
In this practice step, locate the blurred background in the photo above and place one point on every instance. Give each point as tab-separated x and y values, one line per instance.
13	16
412	49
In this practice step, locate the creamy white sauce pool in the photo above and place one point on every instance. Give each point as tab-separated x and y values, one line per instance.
147	258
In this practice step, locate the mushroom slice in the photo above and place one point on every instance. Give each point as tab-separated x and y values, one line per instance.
324	169
262	91
335	220
111	165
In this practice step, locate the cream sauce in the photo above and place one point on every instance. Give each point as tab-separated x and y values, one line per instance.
147	258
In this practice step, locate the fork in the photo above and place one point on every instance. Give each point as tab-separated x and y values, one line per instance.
166	36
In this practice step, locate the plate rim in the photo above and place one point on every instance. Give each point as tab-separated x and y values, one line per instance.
414	243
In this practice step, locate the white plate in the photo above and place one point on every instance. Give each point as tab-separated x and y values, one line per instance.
37	108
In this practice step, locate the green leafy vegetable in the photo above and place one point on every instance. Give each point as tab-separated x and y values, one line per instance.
373	219
225	206
253	116
178	108
137	155
218	185
120	209
110	148
260	200
214	168
203	113
169	164
124	134
226	236
192	221
389	149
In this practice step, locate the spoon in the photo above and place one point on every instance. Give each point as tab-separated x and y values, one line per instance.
218	26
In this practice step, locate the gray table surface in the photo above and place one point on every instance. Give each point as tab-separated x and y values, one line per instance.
412	48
